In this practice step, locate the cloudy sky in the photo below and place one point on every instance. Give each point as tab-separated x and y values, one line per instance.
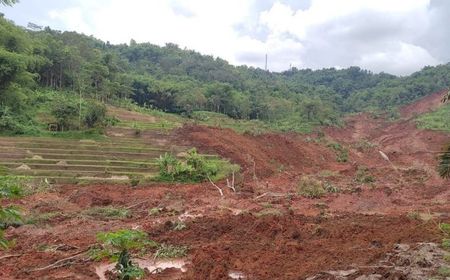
394	36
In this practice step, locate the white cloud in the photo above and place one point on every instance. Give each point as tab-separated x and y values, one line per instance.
380	35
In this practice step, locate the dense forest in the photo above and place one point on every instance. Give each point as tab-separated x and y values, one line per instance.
35	60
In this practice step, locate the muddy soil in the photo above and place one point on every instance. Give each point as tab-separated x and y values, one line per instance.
265	230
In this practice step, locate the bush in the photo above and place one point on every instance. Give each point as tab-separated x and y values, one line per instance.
64	113
8	215
341	152
195	168
310	187
95	115
117	246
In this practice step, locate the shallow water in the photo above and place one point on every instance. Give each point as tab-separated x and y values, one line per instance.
152	266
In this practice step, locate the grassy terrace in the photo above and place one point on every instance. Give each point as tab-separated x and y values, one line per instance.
436	120
77	161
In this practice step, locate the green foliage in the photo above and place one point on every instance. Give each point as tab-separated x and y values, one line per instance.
444	271
175	80
10	214
363	175
166	251
341	152
445	228
113	243
310	187
95	114
195	168
64	114
436	120
108	212
446	243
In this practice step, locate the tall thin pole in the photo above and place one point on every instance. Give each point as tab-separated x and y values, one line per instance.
265	68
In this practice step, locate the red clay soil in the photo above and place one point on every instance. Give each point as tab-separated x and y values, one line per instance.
264	153
265	230
290	246
424	105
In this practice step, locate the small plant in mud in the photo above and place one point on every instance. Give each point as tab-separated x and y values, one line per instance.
341	152
118	246
9	215
363	176
310	187
195	168
108	212
364	145
179	225
166	251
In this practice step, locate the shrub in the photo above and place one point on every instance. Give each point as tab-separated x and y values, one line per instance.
363	176
64	113
310	187
8	215
195	168
341	152
117	246
95	114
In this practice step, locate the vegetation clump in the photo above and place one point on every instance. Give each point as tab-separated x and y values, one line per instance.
363	176
195	168
311	187
341	152
118	246
10	214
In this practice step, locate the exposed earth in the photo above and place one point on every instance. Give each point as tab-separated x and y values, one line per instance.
379	223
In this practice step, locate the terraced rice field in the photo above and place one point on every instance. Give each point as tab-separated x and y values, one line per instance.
75	160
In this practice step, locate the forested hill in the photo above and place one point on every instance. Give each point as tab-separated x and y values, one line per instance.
182	81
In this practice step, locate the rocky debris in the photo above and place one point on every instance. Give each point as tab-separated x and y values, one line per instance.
419	262
62	163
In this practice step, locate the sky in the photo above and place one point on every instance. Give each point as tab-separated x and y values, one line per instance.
392	36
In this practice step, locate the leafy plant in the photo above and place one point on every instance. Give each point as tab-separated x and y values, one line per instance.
117	246
195	168
95	114
108	212
363	176
10	214
341	152
166	251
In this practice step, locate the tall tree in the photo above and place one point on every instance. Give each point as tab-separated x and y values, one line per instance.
9	2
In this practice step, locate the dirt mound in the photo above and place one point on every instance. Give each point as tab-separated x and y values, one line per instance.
289	246
424	105
266	153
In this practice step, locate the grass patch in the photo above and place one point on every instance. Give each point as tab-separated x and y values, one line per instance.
193	168
436	120
167	251
108	212
311	187
341	151
269	212
42	218
363	176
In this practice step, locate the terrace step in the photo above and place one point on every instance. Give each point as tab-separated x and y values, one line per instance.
78	173
123	163
68	167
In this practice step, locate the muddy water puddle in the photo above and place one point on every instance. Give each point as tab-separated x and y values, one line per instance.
176	267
